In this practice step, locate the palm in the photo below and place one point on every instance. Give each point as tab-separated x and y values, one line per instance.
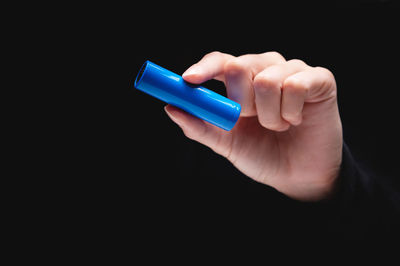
300	156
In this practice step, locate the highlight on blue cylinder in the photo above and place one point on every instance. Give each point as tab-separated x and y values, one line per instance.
194	99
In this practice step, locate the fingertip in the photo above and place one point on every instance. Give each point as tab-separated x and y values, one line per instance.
283	128
193	78
294	120
167	109
179	116
193	75
172	110
173	113
192	126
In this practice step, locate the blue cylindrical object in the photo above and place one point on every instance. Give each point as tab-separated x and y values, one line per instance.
194	99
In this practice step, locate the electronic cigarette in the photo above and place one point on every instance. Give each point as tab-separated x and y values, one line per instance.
194	99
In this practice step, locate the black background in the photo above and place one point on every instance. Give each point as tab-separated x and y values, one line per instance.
173	188
100	166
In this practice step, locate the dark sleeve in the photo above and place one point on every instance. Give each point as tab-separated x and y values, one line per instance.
365	203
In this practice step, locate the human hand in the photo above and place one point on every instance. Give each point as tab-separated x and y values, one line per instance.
289	134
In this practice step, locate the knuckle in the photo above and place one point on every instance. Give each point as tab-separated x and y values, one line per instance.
275	55
234	66
296	84
325	71
297	63
266	82
329	81
214	54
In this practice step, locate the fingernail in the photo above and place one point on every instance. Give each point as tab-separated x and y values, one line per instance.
193	70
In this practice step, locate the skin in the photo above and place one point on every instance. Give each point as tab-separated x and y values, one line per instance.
289	133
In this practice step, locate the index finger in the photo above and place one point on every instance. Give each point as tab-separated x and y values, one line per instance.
211	66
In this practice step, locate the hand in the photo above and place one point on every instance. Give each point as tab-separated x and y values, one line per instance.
289	134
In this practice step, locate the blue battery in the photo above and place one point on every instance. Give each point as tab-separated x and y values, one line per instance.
194	99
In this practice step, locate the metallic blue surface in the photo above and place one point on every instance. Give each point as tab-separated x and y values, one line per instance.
194	99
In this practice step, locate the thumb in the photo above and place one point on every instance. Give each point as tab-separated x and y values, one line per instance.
196	129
